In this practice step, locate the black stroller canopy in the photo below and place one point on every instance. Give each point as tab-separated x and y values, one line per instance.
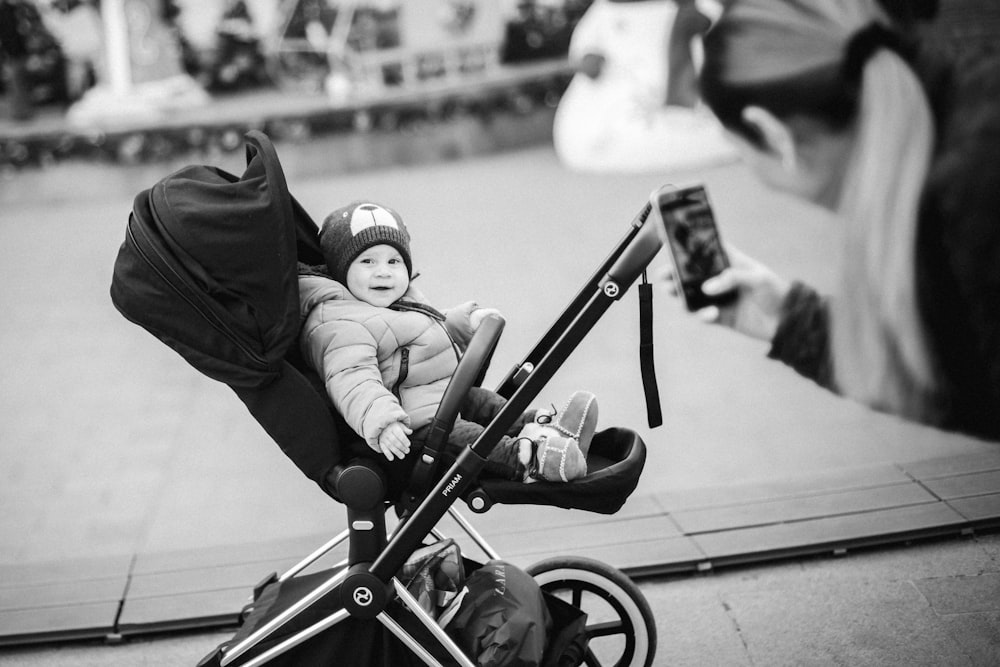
209	266
209	223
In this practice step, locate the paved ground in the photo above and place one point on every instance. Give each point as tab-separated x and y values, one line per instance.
931	604
112	445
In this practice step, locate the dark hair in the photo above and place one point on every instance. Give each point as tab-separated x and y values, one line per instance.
826	92
817	93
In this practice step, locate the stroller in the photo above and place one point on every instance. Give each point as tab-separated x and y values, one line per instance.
209	266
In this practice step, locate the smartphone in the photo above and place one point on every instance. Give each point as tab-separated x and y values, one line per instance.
687	227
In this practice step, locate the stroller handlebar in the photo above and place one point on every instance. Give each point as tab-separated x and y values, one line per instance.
637	254
471	369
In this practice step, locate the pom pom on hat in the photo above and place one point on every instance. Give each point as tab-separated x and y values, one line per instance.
352	229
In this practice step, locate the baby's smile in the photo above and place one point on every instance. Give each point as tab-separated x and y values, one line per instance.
378	276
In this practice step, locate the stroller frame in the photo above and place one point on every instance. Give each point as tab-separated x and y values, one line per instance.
335	618
366	580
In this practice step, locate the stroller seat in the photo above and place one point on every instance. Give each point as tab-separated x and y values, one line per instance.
296	411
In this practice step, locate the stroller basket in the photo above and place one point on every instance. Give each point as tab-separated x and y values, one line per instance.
209	266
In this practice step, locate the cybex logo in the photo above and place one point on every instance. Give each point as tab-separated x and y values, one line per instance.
363	596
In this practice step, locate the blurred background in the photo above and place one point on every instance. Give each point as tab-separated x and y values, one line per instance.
97	66
232	44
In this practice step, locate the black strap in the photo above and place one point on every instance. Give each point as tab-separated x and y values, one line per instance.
646	366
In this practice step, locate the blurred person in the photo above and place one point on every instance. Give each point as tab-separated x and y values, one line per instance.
632	106
827	100
77	26
386	355
170	18
238	60
537	30
14	53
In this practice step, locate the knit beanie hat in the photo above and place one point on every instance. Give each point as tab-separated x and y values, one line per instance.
352	229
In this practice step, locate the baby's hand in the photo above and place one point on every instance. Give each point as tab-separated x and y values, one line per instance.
480	314
392	441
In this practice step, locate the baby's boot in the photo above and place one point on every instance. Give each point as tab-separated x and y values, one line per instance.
554	447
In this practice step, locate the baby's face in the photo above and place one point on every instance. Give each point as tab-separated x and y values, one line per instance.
378	276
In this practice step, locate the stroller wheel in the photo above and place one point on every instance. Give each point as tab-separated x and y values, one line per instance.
620	627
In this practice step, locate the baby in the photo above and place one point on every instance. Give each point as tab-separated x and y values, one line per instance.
386	356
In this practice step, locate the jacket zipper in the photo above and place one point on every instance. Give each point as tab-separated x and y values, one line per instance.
404	370
211	317
404	362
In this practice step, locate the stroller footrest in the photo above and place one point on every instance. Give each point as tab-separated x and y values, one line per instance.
614	463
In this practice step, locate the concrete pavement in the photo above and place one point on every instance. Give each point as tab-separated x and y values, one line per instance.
933	604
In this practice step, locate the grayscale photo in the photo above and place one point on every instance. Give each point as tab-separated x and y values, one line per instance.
500	333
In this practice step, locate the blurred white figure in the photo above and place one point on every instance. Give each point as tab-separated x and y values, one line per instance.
621	112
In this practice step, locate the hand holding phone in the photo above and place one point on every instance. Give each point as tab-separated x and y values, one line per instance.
687	227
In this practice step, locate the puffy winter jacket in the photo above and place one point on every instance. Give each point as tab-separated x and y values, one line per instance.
380	365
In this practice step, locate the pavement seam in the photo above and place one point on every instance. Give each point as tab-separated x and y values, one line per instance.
121	603
736	626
